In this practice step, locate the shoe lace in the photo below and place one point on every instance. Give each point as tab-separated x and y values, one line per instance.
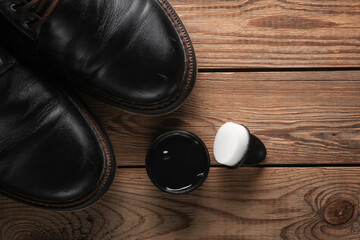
41	8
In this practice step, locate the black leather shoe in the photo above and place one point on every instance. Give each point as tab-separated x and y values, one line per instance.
52	153
135	54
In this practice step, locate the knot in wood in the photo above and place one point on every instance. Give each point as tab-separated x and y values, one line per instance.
339	212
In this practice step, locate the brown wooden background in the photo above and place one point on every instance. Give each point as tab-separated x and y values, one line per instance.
288	70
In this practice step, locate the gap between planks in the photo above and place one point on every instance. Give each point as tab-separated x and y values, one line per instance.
265	166
314	69
272	33
251	203
302	117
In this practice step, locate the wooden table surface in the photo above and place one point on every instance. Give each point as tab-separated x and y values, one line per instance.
289	71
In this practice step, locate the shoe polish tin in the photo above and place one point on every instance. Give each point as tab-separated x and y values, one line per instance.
177	162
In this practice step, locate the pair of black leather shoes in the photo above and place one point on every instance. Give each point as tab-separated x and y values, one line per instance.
135	54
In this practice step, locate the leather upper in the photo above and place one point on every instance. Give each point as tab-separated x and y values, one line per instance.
131	51
49	149
18	18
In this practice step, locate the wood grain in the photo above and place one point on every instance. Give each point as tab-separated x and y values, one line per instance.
302	117
249	203
273	33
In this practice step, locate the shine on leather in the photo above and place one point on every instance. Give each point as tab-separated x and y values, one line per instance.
133	53
52	153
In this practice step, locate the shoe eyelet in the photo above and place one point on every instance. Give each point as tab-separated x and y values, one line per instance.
27	24
13	7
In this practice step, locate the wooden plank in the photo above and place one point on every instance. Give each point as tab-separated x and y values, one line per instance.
273	33
251	203
302	117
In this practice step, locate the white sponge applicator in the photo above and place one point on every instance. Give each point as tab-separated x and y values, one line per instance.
231	143
234	145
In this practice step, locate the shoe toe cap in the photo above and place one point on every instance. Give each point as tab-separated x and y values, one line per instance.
52	154
132	52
